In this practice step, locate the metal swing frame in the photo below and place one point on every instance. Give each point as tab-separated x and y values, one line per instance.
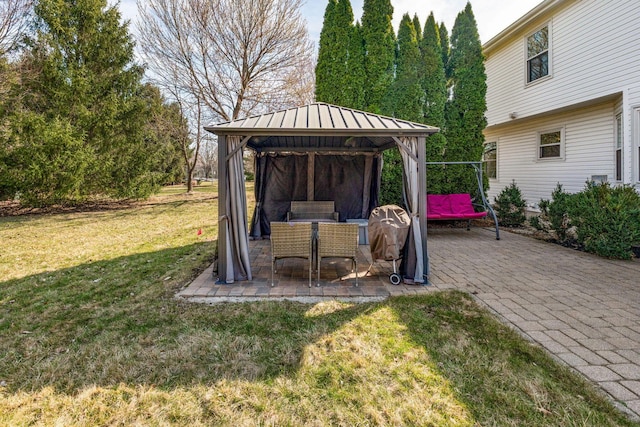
477	166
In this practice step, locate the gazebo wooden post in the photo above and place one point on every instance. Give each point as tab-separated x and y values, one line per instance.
422	200
311	185
222	209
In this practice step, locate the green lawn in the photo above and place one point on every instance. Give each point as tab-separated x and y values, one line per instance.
90	334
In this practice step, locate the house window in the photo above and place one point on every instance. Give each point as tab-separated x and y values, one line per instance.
489	159
550	145
538	54
619	147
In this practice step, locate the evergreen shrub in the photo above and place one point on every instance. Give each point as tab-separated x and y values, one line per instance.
537	223
509	206
555	212
607	219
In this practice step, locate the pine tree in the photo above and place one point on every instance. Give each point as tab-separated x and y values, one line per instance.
48	160
164	131
379	44
434	86
80	77
465	111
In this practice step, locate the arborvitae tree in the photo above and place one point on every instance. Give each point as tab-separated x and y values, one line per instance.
465	111
444	47
81	78
379	43
406	95
434	83
418	27
355	89
405	102
326	72
332	72
434	86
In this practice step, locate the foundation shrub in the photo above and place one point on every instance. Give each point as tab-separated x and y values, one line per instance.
509	206
537	223
607	219
554	213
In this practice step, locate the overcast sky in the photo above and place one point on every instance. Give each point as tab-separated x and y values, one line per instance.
492	16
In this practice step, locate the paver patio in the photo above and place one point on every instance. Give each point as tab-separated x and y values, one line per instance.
583	309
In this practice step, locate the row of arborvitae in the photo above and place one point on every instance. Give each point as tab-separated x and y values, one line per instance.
421	75
601	219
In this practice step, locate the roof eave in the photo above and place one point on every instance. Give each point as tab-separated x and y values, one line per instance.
541	9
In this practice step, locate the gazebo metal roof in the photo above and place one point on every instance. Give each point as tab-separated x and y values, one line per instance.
321	126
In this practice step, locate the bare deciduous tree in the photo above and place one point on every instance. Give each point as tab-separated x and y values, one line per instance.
237	57
209	157
13	14
190	141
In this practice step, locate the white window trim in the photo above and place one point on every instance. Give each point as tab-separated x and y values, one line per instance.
562	145
618	133
497	178
528	83
636	146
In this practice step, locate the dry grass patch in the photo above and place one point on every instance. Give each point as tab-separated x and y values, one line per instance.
283	363
90	334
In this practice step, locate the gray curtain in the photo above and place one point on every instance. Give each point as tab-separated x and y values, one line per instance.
260	179
366	187
351	181
414	262
341	178
238	265
279	180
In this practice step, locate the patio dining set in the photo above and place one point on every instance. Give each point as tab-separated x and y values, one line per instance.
312	232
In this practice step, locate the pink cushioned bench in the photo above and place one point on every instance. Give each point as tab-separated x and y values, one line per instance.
451	207
456	207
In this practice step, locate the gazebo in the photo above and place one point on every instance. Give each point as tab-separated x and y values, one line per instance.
314	152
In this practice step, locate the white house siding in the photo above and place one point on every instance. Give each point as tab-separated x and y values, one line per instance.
594	53
588	151
594	56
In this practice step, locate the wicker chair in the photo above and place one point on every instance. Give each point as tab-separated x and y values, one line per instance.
290	240
338	240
